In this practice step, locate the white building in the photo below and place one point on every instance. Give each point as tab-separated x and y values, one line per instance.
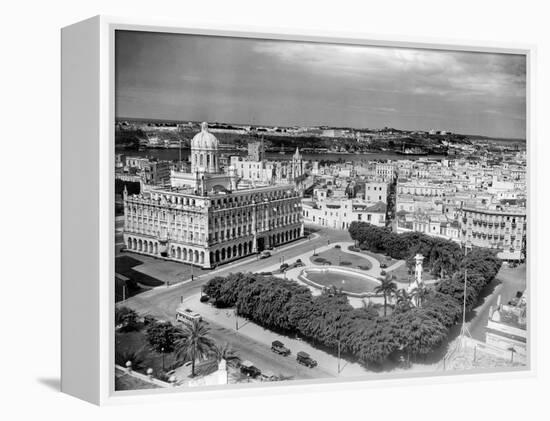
339	214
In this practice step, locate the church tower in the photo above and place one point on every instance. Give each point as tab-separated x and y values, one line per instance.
297	168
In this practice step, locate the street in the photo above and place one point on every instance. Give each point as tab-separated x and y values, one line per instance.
163	301
506	284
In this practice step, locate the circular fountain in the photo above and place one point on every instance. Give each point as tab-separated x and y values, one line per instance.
352	283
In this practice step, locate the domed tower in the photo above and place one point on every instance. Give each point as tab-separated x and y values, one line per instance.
204	151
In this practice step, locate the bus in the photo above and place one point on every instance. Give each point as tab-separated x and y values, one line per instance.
187	316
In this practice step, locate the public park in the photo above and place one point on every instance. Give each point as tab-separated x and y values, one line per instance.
357	305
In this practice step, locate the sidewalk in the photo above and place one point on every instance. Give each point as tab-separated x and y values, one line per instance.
167	270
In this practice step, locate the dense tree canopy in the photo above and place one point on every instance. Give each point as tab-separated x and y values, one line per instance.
440	256
329	320
126	319
162	336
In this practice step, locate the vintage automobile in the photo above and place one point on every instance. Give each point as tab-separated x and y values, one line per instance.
304	359
248	369
265	254
268	376
279	348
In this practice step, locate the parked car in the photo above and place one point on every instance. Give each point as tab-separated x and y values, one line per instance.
299	263
304	359
248	369
279	348
204	298
268	376
265	254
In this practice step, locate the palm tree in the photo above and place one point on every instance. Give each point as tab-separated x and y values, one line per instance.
223	352
388	288
419	294
403	299
194	343
136	357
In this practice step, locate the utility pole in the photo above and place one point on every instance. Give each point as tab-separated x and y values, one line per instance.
464	330
338	356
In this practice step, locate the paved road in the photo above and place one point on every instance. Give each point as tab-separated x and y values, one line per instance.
506	284
246	348
163	301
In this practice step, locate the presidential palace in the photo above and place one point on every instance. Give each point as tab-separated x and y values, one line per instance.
208	216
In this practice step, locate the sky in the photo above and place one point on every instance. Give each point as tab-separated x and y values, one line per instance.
282	83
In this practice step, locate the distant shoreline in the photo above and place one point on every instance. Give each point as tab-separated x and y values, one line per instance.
171	154
174	122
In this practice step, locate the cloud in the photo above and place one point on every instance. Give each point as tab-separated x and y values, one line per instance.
414	71
385	109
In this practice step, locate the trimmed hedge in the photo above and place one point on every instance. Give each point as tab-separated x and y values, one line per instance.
328	318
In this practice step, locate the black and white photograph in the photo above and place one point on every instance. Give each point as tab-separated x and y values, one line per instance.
308	211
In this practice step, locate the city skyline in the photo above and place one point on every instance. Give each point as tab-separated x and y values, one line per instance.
280	83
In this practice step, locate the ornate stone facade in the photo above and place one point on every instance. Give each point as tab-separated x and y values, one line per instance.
205	226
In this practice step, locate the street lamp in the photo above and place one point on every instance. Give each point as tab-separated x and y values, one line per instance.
162	352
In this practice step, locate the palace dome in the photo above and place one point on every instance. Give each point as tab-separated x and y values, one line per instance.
204	139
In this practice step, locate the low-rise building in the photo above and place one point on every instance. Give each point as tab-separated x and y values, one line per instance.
339	214
507	328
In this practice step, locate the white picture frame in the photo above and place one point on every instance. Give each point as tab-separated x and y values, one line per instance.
88	210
